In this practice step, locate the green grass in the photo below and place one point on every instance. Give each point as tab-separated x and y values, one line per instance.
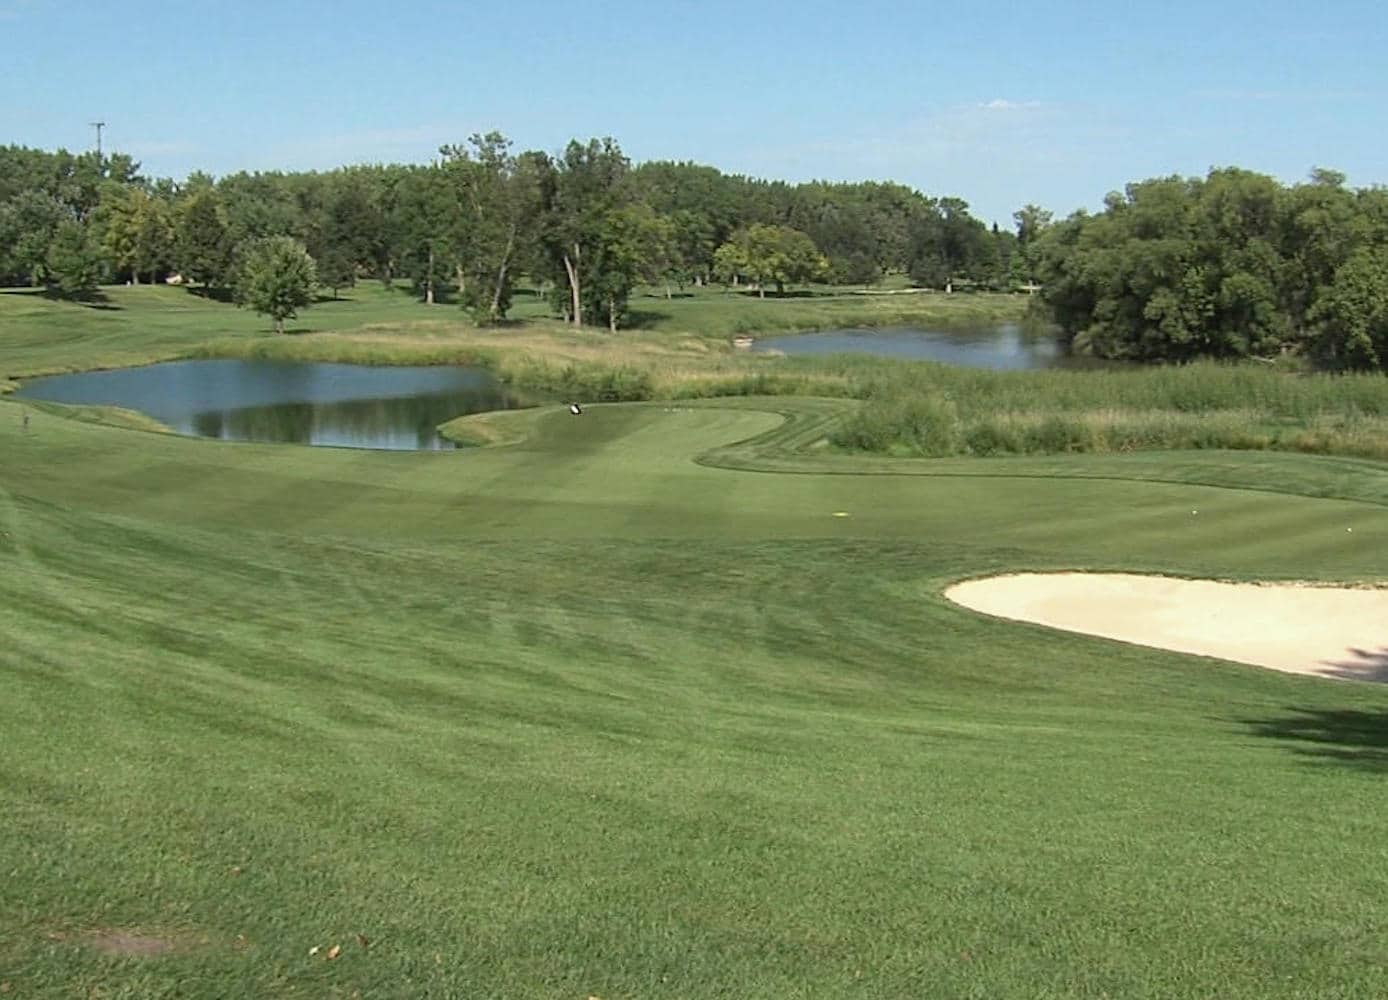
621	710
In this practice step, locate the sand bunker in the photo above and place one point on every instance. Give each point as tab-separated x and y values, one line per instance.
1324	631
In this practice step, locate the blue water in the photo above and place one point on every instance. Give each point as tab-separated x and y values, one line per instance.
1005	348
354	406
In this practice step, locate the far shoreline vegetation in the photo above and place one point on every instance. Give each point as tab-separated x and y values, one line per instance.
582	275
882	406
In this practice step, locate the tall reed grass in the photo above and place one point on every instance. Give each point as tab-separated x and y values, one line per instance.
933	410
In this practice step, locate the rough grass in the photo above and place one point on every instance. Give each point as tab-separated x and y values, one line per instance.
933	410
582	717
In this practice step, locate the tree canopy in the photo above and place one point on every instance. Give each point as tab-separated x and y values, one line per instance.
1233	264
276	277
1227	266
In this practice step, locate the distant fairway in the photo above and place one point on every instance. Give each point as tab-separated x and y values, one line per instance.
583	716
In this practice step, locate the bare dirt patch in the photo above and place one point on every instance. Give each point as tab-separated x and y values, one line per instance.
132	944
1323	631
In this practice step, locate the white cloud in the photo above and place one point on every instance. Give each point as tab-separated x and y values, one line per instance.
1003	104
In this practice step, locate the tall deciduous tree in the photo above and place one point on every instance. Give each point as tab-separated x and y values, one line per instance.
1032	221
276	277
202	243
772	254
499	197
633	245
1350	320
75	263
139	232
580	191
430	214
28	223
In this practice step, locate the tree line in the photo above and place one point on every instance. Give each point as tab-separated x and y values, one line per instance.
585	225
1231	265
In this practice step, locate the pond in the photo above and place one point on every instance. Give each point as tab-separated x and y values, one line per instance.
350	406
1009	347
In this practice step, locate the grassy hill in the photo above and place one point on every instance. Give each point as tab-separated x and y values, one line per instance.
622	709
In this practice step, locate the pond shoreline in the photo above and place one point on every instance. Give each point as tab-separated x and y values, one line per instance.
318	404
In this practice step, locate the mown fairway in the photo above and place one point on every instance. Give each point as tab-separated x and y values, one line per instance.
583	717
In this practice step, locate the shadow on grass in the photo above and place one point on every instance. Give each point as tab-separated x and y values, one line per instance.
1356	737
789	293
212	294
94	300
643	319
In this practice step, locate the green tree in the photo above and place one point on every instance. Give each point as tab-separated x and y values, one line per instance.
730	262
202	243
28	223
139	232
660	259
947	244
1032	222
1350	320
772	254
633	245
579	193
694	245
354	234
499	196
75	263
276	277
430	218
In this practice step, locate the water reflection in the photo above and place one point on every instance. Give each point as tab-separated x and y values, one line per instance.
1008	347
397	408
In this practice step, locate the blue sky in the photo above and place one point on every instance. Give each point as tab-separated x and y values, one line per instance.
997	103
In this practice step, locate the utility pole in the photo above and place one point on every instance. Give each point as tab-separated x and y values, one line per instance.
98	126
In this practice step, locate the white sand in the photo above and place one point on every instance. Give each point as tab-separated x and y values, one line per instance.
1323	631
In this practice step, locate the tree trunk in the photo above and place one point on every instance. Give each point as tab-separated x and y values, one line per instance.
761	290
571	268
495	311
612	313
501	275
668	294
135	275
429	280
462	281
279	324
